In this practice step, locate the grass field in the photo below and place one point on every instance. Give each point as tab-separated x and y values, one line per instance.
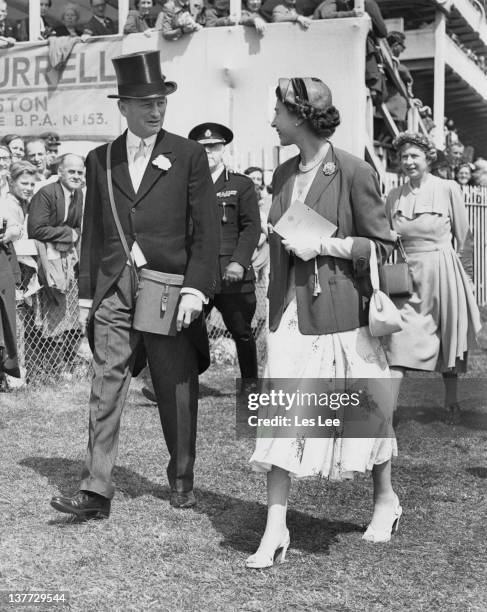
150	556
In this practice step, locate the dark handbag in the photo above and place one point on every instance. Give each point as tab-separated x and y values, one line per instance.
156	293
396	277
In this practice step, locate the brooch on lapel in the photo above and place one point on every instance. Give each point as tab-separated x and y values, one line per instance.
329	168
162	162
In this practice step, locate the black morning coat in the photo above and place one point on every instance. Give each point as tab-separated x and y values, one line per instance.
172	216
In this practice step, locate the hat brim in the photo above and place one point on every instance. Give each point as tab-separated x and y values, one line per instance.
166	89
207	141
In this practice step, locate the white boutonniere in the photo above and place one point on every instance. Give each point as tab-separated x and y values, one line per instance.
329	168
162	162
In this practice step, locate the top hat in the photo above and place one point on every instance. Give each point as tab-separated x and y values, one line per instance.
139	76
211	133
306	89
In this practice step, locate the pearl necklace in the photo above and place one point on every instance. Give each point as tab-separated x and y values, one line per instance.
310	165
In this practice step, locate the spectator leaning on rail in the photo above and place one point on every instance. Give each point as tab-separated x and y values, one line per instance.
251	17
396	103
286	11
100	24
303	7
176	19
9	32
141	19
70	22
218	14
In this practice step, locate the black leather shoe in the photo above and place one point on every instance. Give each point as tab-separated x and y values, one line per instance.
183	500
148	394
84	504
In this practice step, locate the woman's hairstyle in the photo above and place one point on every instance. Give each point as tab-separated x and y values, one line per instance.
21	167
322	121
137	2
73	8
251	169
6	149
417	140
6	140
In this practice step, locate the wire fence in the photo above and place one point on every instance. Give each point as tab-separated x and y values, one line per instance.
52	348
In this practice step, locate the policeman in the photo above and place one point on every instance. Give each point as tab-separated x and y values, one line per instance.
238	211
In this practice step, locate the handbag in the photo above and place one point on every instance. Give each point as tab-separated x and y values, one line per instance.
396	277
156	293
384	317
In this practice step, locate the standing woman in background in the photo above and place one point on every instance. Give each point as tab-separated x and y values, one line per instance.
441	318
318	309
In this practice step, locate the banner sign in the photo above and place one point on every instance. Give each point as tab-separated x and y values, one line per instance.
34	97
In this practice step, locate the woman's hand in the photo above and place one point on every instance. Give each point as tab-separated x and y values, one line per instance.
303	251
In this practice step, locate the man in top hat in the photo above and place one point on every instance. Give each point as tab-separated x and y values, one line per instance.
238	210
165	202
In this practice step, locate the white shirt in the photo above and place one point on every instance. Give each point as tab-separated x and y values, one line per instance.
137	167
215	175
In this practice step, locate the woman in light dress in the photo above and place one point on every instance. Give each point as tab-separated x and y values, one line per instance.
318	309
441	318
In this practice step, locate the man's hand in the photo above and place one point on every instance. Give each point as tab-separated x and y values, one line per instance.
234	272
190	307
84	315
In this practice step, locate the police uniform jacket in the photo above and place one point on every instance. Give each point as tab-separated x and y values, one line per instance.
238	211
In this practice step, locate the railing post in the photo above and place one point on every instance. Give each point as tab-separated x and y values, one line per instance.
359	6
123	11
236	8
439	78
34	20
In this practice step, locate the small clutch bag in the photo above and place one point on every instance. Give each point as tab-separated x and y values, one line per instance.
396	278
157	302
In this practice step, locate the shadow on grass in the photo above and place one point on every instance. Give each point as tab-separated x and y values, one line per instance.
240	522
478	472
206	391
427	415
65	475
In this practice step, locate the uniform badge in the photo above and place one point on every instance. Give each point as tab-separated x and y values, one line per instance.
208	134
329	168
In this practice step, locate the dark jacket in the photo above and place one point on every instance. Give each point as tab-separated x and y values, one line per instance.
172	217
349	198
62	30
8	337
98	29
238	211
46	216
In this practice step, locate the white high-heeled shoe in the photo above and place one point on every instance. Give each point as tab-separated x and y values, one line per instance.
383	532
262	559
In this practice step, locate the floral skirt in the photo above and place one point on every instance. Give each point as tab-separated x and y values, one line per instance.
345	355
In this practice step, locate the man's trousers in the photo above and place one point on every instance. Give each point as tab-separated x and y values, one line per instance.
174	371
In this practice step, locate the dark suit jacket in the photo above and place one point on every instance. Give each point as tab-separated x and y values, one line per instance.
46	216
172	217
98	29
62	30
238	211
349	198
